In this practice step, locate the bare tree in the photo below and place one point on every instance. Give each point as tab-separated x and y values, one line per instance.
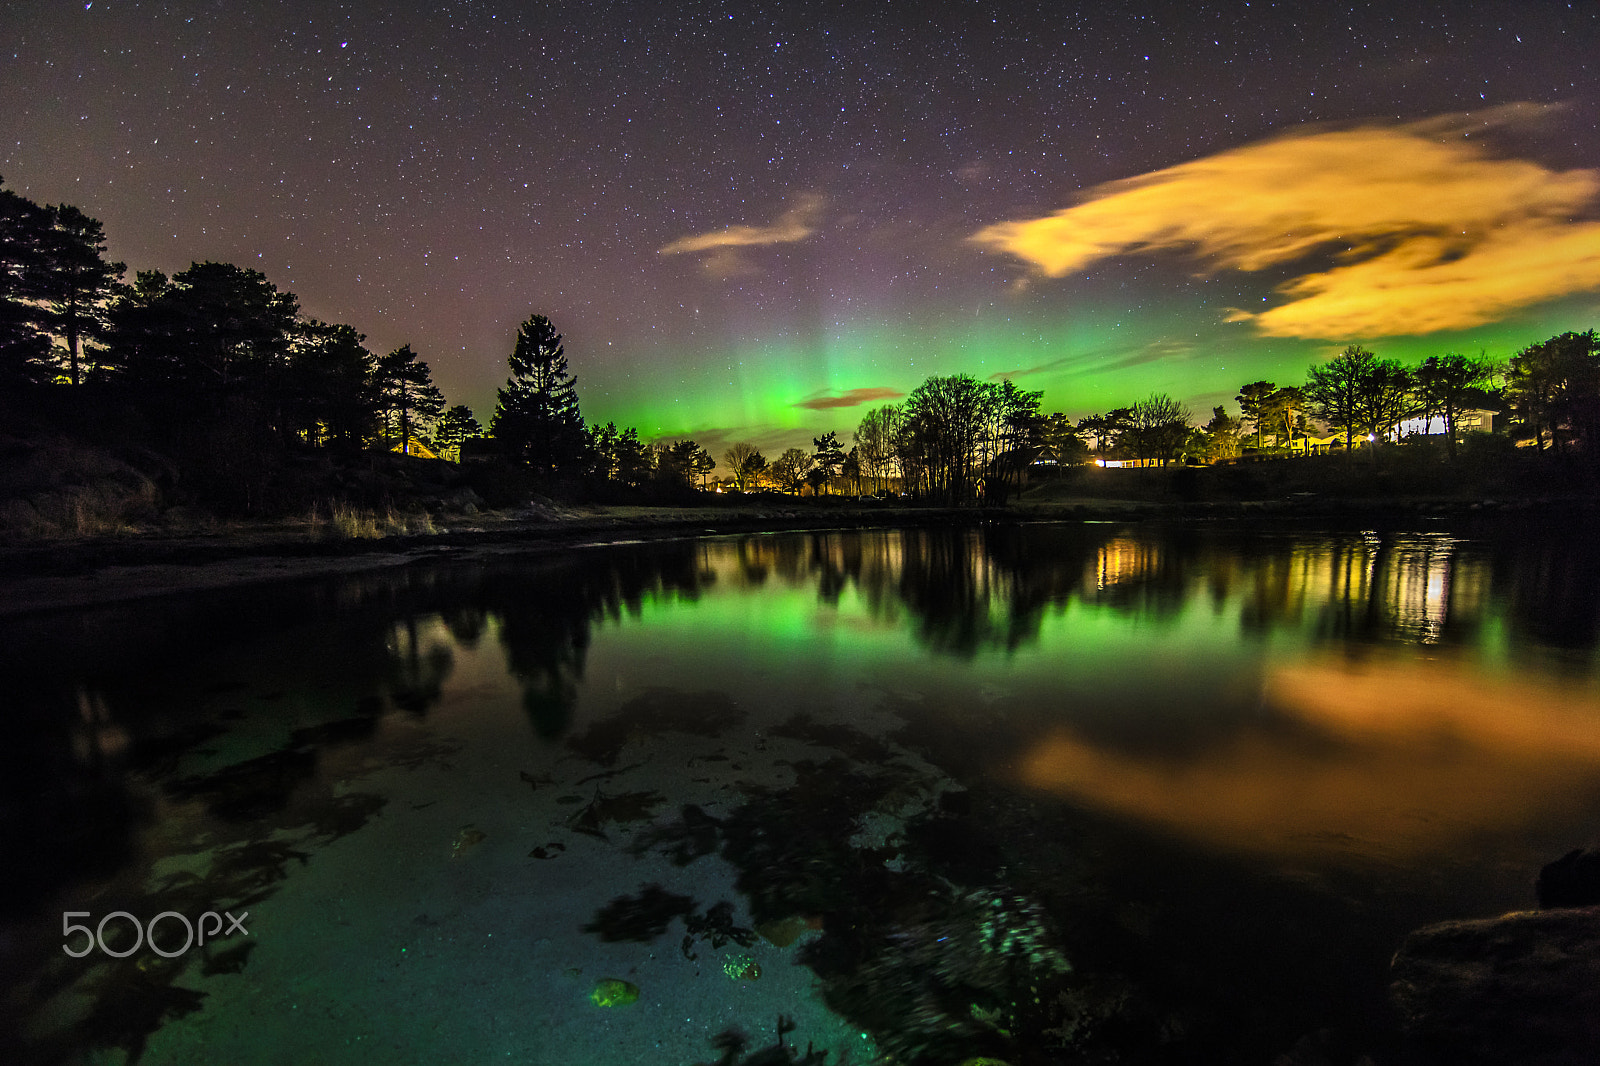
875	443
789	469
1160	425
744	463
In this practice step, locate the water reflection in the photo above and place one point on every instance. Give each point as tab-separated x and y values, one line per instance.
1361	695
104	692
1382	757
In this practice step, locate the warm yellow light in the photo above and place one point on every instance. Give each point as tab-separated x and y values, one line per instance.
1389	754
1431	232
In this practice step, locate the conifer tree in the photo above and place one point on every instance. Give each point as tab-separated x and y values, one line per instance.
409	394
78	281
537	418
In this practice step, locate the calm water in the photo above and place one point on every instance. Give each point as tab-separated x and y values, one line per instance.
1032	792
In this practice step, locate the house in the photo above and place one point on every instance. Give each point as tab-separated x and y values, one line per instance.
1477	420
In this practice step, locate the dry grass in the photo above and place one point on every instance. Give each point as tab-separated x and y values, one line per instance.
57	488
100	509
339	520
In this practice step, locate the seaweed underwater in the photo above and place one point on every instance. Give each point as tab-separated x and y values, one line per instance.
922	943
734	1043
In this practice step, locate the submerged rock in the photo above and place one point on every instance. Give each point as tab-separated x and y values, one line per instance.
1522	988
466	839
614	992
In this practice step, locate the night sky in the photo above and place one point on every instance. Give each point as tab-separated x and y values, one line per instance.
757	221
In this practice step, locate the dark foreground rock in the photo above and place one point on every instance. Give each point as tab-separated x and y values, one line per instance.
1523	988
1571	881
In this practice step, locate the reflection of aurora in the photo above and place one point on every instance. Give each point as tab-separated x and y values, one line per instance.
1397	751
1042	608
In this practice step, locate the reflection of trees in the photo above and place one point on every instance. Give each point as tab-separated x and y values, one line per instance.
1549	582
1413	588
545	614
968	590
94	696
419	668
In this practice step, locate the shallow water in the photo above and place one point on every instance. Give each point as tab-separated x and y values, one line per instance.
1031	792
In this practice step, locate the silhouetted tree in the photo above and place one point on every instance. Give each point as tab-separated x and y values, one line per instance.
789	469
1449	384
1220	437
1554	387
850	471
332	392
1106	430
745	464
78	282
1060	443
1009	437
826	458
875	443
1388	398
682	463
212	326
944	418
411	401
699	463
456	425
1159	427
1281	412
537	419
24	338
618	456
1252	401
1335	390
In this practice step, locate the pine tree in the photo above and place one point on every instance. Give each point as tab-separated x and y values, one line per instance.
78	281
409	394
24	336
537	419
456	425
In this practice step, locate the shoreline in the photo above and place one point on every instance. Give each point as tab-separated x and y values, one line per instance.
73	573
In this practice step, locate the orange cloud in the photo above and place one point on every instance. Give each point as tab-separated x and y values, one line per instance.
1430	232
849	398
795	224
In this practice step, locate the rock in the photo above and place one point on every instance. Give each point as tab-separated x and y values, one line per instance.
1523	988
1571	881
468	838
614	992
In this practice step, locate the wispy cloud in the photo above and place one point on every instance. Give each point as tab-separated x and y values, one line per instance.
849	398
1009	375
1428	231
795	224
1160	351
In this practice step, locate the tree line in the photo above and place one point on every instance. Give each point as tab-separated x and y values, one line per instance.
218	365
956	439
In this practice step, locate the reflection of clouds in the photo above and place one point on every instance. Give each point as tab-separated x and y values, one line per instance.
1431	233
1401	700
1420	756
